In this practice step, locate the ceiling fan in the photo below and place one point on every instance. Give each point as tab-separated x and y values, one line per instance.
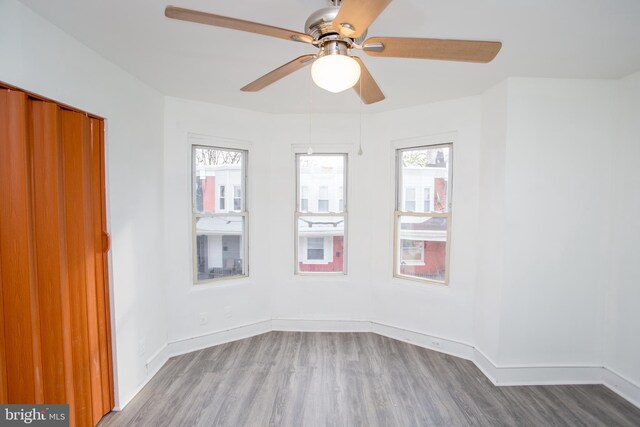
336	29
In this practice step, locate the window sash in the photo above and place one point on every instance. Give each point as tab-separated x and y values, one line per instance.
297	245
299	188
239	213
299	211
401	211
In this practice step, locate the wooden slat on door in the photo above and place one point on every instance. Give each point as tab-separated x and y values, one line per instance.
50	256
74	132
21	343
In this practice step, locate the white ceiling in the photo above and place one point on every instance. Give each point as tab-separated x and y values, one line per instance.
541	38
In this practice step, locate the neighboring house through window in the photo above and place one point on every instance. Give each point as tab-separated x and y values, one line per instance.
304	198
237	198
220	242
323	199
422	230
221	204
320	232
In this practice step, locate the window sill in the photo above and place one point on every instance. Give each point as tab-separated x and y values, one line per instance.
400	279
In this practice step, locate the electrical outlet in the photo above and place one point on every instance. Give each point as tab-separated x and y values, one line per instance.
227	312
203	319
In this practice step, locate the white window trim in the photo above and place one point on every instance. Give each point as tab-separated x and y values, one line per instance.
328	149
432	141
203	141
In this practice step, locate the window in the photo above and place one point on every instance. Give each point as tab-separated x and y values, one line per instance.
422	231
412	252
315	248
237	198
220	244
304	199
427	199
221	204
321	233
409	199
323	199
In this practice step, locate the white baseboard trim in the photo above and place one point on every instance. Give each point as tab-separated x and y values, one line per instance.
319	325
536	375
622	386
443	345
498	375
152	366
187	345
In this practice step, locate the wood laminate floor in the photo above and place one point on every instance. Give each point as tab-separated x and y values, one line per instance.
352	379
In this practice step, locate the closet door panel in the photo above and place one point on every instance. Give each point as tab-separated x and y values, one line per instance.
74	135
92	246
4	398
101	249
19	297
50	255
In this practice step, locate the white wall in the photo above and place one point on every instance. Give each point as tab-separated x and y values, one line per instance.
559	138
491	215
312	297
229	303
437	310
622	344
39	57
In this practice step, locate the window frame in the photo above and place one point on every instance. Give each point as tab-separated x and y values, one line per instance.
235	187
243	212
299	213
398	214
222	197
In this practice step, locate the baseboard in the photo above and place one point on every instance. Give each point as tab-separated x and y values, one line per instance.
622	386
187	345
498	375
536	375
557	375
319	325
152	366
431	342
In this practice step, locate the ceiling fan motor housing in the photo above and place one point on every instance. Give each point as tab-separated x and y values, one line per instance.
320	25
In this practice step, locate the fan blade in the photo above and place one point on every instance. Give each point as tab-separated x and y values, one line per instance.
367	88
235	24
355	16
446	50
279	73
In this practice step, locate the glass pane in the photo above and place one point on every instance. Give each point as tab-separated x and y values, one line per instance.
425	179
220	247
321	244
321	182
217	172
422	247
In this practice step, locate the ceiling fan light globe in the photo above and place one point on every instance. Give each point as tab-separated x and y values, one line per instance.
335	73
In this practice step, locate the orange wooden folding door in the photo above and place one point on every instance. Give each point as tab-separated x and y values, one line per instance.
55	338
